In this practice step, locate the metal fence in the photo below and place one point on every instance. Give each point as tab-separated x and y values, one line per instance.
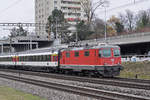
133	35
135	58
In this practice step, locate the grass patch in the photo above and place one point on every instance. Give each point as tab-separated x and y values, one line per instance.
7	93
140	70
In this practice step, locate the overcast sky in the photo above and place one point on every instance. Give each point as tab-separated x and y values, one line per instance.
23	10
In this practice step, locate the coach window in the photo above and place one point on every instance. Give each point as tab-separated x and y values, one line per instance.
44	58
27	58
20	58
36	58
40	58
67	54
33	58
24	58
7	59
86	53
55	58
47	58
50	57
30	58
76	54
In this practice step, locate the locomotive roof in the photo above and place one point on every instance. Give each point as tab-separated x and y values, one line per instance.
92	47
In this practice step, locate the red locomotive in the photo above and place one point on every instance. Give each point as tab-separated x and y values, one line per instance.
103	60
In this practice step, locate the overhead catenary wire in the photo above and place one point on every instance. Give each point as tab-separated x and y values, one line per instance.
10	6
125	5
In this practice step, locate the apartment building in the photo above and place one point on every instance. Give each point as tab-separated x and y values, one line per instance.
43	9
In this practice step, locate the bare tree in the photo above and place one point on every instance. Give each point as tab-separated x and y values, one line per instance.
122	18
99	26
90	7
130	19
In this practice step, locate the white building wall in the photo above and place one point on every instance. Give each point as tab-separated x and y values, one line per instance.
43	9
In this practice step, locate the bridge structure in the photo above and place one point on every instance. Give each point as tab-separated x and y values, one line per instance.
23	43
131	44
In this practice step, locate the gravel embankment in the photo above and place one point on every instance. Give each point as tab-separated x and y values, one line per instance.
49	94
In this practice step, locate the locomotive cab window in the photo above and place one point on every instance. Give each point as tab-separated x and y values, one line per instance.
100	53
76	54
116	52
86	53
106	52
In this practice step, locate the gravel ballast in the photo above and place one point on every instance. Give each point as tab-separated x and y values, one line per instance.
137	92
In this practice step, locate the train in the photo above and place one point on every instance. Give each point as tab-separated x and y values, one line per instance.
100	60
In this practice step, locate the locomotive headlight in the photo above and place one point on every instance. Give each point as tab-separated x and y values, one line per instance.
112	60
105	64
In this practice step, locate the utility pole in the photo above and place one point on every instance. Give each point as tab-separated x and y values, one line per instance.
2	48
56	29
105	5
10	44
30	42
105	27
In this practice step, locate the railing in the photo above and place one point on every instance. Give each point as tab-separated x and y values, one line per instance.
133	35
135	58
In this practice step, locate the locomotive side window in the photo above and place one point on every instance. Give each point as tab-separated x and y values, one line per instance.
86	53
76	54
116	52
67	54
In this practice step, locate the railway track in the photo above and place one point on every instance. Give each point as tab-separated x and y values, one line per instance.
84	91
121	82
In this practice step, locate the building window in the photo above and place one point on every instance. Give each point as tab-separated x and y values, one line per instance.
55	2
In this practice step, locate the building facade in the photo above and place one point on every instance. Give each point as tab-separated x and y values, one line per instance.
72	10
